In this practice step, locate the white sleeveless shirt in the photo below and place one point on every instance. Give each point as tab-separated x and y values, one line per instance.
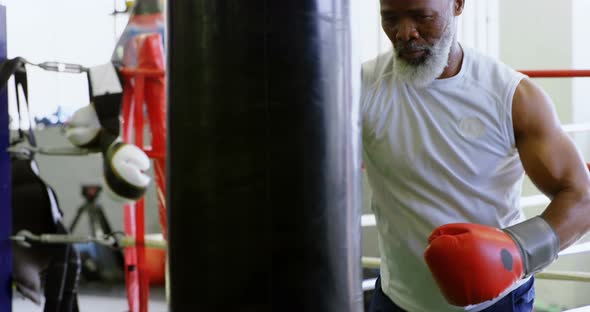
437	155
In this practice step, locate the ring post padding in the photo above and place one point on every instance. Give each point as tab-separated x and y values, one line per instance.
5	198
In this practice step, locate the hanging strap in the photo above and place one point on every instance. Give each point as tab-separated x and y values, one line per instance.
16	67
20	79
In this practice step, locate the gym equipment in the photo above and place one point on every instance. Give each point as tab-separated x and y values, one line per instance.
266	182
99	261
35	208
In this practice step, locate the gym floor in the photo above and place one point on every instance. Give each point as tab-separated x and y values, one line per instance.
99	298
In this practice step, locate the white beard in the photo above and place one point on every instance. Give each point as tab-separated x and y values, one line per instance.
423	74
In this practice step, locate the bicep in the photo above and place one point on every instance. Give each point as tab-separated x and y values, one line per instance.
548	155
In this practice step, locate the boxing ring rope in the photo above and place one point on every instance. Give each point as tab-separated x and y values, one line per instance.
122	241
557	73
375	263
575	128
368	220
114	240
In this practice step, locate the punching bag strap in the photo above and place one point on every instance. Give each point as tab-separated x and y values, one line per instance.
20	79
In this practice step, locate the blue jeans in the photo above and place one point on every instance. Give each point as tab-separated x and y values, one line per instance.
519	300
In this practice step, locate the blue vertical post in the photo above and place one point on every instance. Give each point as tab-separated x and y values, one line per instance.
5	193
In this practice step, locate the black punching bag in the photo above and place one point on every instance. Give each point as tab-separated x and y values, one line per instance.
263	156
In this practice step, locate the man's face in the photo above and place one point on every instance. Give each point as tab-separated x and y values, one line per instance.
422	32
414	26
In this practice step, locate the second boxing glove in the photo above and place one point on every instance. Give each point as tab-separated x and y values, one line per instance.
83	128
124	171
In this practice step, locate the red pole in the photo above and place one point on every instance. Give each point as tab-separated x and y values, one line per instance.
131	272
139	205
152	59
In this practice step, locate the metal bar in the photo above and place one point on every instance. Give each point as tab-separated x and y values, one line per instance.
25	238
62	67
131	274
368	220
50	151
138	125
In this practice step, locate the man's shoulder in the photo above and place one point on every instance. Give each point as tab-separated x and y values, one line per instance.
492	74
377	68
485	66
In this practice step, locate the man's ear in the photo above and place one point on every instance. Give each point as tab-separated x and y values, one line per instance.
458	7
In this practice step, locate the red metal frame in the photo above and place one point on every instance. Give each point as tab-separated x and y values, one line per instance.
144	85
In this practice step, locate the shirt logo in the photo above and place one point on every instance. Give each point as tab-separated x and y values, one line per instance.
472	127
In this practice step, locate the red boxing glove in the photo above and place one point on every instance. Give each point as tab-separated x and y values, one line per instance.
473	263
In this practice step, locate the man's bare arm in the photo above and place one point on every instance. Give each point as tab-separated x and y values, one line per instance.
552	162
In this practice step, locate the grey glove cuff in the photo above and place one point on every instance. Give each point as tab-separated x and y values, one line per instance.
538	243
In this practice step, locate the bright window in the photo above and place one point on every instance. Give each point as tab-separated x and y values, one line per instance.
70	31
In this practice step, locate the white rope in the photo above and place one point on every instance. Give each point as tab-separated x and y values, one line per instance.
369	284
575	249
572	250
580	309
25	150
575	128
534	201
368	220
375	263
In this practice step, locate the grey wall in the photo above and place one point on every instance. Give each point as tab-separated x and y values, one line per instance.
66	174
